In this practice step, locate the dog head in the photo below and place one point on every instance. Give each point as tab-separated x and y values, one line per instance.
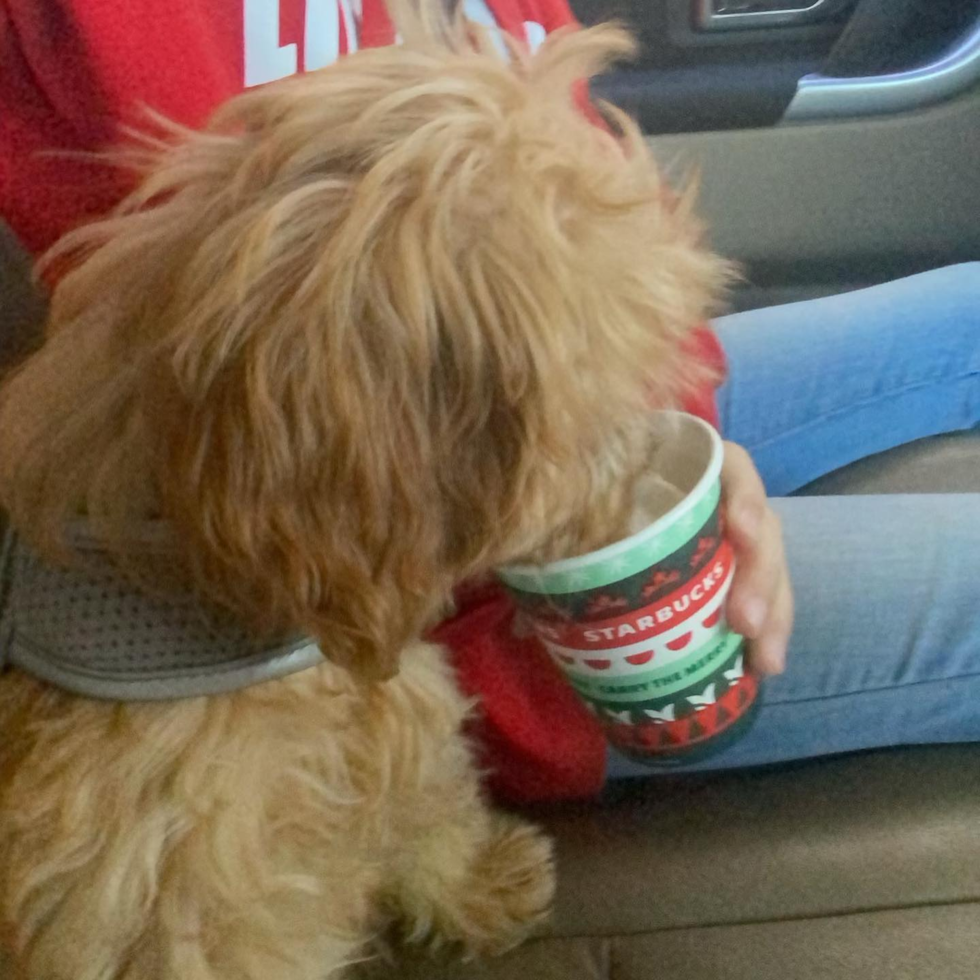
379	328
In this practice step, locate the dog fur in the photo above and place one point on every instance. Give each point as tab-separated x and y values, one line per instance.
378	330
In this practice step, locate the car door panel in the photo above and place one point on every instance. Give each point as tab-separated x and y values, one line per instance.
831	155
835	205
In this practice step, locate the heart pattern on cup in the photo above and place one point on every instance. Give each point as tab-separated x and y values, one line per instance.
678	643
639	659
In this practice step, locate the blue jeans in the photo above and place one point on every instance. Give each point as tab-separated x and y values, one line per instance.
886	649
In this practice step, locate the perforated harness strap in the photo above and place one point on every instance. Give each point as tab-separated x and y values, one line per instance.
87	629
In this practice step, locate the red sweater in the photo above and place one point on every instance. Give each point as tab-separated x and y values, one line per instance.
73	71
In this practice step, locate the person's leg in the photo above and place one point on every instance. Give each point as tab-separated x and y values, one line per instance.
886	649
813	386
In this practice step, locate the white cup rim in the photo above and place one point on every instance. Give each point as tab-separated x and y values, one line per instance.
711	474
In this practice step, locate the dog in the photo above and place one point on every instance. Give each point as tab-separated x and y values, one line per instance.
378	330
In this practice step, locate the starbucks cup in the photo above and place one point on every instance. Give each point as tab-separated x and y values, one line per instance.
638	628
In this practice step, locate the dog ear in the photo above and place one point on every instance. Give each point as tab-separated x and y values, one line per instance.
294	450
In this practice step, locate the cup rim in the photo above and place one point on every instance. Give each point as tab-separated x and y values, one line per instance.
711	474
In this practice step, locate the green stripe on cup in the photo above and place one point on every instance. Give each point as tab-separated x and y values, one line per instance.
624	564
660	701
666	681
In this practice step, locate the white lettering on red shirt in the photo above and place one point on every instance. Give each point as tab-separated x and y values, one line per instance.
265	59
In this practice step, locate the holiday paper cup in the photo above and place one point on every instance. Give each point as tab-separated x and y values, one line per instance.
638	628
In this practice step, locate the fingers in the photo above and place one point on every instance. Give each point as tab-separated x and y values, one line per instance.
760	605
758	589
744	495
768	653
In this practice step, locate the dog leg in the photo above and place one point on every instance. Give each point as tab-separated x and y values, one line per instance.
499	890
464	874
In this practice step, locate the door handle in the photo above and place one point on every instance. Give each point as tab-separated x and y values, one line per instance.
956	70
728	15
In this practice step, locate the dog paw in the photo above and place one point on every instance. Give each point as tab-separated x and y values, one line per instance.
510	891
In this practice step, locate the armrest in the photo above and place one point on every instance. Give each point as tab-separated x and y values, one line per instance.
942	464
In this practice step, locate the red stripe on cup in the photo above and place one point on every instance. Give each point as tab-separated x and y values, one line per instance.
671	735
652	620
639	659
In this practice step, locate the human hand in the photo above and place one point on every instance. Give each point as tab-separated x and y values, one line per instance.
760	604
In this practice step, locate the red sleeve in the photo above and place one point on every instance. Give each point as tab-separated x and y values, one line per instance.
41	112
536	738
72	72
705	347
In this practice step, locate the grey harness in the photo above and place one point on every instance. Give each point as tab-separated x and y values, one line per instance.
88	630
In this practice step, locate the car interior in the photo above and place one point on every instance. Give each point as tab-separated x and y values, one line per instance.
837	145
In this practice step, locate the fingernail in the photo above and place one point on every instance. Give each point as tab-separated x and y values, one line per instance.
755	612
770	657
